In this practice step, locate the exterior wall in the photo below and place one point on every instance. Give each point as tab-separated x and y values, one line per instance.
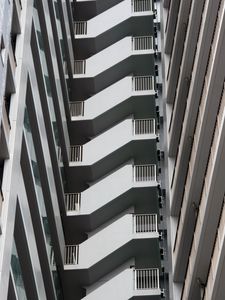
194	108
39	173
22	217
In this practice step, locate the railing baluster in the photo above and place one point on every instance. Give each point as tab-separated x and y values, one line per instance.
73	201
142	43
143	83
76	108
144	173
145	223
71	255
146	279
80	27
79	66
144	126
76	153
141	5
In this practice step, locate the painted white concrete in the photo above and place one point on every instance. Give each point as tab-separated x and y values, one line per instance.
93	198
109	98
109	57
124	283
110	141
110	18
115	235
121	278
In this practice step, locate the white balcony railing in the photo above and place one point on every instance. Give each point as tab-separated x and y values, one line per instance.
144	223
77	108
144	126
146	279
144	173
80	27
76	153
71	254
73	201
143	83
79	66
142	43
141	5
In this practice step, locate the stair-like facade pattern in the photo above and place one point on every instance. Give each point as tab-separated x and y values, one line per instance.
133	287
112	220
129	175
111	18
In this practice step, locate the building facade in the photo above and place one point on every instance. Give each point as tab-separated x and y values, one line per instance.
81	151
193	45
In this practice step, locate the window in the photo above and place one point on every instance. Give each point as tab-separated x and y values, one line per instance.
17	273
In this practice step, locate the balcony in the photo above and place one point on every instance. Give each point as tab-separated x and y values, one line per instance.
123	48
138	45
129	138
104	68
141	224
119	135
137	129
104	29
128	95
129	283
124	236
123	10
91	208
